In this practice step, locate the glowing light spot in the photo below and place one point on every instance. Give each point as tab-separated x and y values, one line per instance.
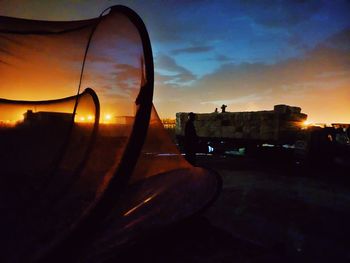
108	117
306	124
82	118
90	117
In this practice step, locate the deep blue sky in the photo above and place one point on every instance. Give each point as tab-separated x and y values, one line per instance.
248	54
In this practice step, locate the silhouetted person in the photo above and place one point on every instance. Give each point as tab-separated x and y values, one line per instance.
191	139
216	110
223	108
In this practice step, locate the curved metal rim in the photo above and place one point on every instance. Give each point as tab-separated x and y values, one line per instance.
53	101
80	233
84	227
85	23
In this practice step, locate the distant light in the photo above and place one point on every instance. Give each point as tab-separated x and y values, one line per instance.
306	123
267	145
287	146
108	117
82	118
90	118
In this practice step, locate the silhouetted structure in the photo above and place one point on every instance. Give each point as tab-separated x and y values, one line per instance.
46	117
223	108
264	126
191	139
243	129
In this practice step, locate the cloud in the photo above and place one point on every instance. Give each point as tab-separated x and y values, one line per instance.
127	79
6	47
340	40
195	49
177	73
319	82
296	42
247	78
242	99
276	13
327	59
221	58
5	63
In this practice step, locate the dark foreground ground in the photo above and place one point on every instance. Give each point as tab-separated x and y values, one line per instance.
268	211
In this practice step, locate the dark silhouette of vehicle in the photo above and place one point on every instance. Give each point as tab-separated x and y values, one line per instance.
323	147
219	132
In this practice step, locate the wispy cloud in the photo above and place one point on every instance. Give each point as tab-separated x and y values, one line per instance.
222	58
176	73
191	50
318	82
240	100
275	13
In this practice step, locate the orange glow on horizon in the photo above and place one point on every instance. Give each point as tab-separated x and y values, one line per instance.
306	123
107	118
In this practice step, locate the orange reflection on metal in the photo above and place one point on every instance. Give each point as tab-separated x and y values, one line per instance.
139	205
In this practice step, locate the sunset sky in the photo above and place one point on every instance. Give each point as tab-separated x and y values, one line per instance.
249	54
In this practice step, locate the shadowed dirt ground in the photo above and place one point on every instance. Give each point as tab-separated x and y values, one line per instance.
268	211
